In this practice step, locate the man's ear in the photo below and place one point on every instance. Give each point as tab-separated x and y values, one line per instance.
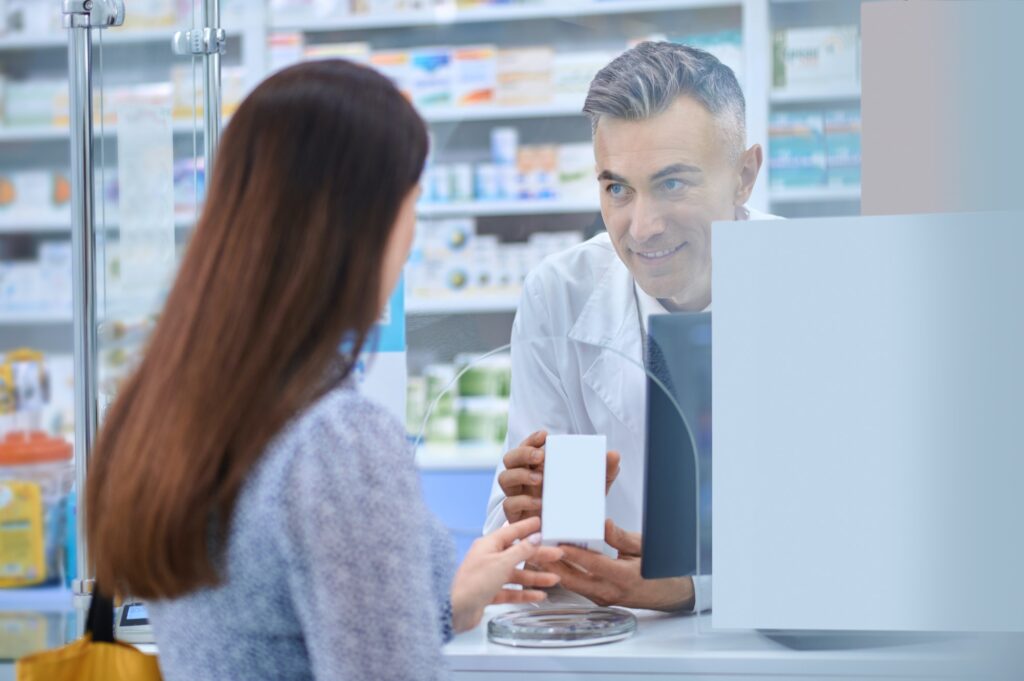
749	166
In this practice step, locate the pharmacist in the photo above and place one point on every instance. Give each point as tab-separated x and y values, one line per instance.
671	157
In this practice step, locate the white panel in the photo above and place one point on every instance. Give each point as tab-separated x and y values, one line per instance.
868	379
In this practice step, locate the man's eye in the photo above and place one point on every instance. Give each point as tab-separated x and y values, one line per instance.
673	185
616	189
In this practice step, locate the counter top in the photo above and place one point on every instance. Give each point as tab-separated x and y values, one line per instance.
685	645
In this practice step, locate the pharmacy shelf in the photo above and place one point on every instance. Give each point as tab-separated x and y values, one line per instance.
521	207
458	457
461	114
29	224
521	12
465	304
42	133
50	224
29	318
32	133
39	599
815	195
798	95
113	36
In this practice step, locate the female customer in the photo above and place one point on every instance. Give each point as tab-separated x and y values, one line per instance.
269	514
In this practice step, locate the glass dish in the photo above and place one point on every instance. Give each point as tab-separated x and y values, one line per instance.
561	627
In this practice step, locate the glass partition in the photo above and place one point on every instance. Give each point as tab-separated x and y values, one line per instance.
471	413
510	182
146	157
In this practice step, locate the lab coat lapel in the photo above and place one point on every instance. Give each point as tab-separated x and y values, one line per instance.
609	323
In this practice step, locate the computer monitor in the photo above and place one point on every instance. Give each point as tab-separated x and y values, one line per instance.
678	355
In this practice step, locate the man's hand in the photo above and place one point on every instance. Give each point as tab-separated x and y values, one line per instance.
522	481
523	477
609	581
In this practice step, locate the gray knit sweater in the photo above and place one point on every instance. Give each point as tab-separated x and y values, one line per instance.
334	568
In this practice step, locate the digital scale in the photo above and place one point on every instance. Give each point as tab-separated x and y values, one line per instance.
132	624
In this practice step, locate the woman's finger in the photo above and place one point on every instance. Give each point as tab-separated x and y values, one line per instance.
521	552
517	530
518	596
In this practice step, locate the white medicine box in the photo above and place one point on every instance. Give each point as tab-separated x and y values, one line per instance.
574	489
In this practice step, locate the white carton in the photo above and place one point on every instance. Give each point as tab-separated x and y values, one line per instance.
475	71
431	76
577	178
816	57
574	490
396	65
285	49
354	52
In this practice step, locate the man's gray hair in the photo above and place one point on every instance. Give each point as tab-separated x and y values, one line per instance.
646	80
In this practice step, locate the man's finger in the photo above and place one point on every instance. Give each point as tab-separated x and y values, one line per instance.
518	596
534	579
536	439
523	457
572	579
515	481
521	506
611	470
626	543
547	554
595	563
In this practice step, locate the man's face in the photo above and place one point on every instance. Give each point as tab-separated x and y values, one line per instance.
663	181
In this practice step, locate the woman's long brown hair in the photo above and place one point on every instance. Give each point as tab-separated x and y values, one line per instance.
284	268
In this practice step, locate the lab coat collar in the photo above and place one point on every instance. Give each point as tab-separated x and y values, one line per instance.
609	317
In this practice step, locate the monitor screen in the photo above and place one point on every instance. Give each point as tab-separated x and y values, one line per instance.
677	491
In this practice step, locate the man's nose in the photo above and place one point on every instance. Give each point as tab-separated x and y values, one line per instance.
647	222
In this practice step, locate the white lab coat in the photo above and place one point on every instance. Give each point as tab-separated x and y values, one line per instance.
577	366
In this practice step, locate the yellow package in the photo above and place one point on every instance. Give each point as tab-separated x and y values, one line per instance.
22	554
6	389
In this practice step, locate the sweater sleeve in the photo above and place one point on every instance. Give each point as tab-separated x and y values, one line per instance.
358	541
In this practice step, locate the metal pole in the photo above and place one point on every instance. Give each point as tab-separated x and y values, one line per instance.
83	250
210	42
80	17
211	85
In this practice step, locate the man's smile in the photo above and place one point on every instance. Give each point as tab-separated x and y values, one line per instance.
652	255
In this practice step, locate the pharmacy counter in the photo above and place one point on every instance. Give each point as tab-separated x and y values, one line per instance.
677	647
666	647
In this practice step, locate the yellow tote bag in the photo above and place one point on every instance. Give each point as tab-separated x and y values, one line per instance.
94	657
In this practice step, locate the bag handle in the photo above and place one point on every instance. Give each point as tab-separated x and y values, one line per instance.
100	620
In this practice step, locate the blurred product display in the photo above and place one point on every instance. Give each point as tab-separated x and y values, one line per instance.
815	148
822	57
450	260
36	477
510	180
464	402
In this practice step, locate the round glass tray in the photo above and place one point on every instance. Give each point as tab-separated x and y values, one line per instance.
561	627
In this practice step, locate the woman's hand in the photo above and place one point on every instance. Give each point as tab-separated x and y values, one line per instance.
491	564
